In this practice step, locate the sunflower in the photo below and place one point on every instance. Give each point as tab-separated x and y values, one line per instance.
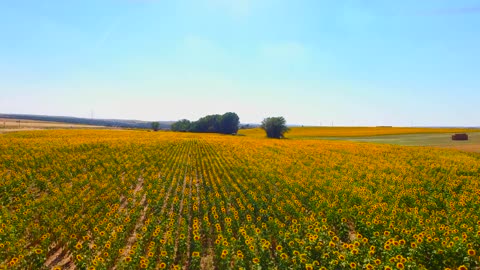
471	252
256	260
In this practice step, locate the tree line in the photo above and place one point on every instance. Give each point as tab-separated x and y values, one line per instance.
227	123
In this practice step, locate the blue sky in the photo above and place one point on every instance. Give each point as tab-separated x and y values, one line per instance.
315	62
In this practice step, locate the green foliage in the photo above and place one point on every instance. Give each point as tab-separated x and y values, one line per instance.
215	123
229	123
275	127
182	125
155	126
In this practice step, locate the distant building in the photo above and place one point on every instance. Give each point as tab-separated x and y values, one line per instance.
460	137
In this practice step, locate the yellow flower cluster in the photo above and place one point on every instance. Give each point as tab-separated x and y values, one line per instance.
99	199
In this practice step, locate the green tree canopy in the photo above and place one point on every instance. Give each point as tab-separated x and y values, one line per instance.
227	124
155	126
182	125
275	127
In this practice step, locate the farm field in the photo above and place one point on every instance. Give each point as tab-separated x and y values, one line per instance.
10	125
434	137
430	139
320	132
99	199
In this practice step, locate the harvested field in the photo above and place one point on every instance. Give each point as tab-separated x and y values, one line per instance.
12	125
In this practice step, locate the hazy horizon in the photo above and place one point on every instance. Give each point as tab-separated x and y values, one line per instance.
350	63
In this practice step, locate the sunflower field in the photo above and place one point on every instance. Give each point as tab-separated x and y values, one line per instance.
99	199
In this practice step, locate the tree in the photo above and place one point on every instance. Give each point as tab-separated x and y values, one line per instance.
214	123
209	123
275	127
182	125
155	126
229	123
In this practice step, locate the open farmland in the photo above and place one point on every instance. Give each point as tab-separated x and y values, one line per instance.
124	200
10	125
434	137
430	139
322	132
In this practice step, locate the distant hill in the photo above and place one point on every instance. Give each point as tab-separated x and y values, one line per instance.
86	121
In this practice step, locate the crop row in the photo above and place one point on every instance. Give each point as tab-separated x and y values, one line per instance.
126	199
